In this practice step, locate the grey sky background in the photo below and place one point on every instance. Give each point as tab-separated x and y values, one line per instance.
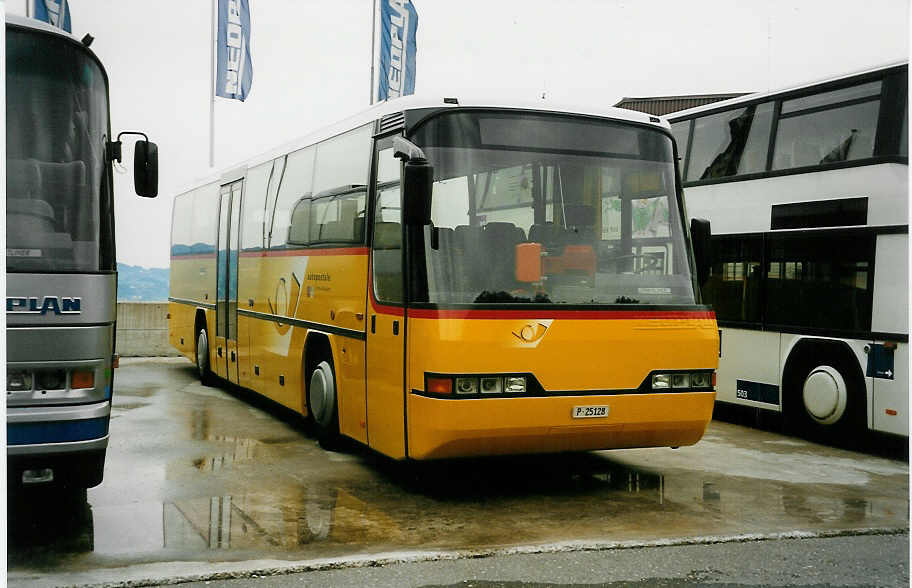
311	63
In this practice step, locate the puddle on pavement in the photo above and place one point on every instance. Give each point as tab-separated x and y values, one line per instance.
458	505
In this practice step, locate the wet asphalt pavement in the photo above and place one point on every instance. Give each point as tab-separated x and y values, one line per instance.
201	481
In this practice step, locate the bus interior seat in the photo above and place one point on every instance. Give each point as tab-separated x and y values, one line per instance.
336	231
468	241
500	240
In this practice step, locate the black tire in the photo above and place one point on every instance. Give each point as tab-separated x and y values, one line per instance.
824	397
203	369
323	404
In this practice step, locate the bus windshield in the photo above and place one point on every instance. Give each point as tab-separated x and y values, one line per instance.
544	208
58	204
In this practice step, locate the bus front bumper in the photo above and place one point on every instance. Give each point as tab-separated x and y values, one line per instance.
444	428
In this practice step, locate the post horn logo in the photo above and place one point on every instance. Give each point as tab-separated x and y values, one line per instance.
532	333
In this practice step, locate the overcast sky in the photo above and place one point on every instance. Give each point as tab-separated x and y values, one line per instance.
311	63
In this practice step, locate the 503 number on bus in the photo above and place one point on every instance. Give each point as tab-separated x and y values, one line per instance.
588	412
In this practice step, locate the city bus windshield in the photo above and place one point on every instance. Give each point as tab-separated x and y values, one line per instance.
552	209
58	205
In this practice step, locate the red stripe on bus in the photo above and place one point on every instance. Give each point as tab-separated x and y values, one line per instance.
307	252
562	314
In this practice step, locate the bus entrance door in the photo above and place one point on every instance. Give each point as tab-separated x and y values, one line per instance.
225	362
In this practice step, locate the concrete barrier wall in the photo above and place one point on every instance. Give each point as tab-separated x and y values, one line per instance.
142	329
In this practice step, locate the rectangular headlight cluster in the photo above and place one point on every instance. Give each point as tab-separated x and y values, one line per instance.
472	385
682	380
49	379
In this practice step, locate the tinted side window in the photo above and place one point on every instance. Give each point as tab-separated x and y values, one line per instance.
735	280
296	183
819	280
817	130
255	205
730	143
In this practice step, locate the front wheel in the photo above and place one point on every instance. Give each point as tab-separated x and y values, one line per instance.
202	358
323	405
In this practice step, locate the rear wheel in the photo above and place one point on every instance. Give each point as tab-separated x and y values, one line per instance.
322	404
202	357
825	398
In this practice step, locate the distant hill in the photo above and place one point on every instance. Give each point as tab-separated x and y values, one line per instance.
145	284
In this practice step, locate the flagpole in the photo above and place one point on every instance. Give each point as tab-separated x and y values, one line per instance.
213	14
373	47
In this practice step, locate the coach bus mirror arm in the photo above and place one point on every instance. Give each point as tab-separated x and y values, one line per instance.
700	236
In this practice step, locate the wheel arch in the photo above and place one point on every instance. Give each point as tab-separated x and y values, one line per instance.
835	352
199	322
317	346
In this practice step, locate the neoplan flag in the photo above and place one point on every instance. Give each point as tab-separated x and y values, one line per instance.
234	71
398	25
54	12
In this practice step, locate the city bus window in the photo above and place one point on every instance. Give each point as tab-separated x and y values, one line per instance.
736	278
296	183
836	133
254	206
730	143
819	280
681	133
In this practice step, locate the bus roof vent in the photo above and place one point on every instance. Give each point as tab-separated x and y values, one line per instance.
389	122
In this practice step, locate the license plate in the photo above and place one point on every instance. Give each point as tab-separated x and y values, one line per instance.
590	412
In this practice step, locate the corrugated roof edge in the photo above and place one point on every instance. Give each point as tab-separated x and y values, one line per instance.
759	95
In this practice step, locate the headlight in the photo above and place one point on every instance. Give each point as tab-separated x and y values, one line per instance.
50	380
490	385
514	384
700	380
466	385
661	381
680	380
18	381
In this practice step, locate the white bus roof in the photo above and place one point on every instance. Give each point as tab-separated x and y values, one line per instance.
40	25
404	103
722	104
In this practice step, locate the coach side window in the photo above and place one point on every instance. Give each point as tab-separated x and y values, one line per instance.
296	184
205	213
181	223
730	143
681	133
340	187
828	127
736	278
254	206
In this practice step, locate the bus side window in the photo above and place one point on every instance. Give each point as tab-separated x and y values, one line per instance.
296	184
254	206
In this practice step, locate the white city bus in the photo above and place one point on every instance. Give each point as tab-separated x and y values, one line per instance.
807	192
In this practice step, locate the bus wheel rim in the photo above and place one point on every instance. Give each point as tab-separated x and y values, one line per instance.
322	393
824	395
202	352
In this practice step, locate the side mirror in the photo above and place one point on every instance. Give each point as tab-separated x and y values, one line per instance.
145	169
417	186
700	237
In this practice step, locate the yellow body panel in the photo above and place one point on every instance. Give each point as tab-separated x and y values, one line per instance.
573	356
491	426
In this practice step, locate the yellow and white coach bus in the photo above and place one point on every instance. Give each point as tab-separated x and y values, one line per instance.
435	278
807	189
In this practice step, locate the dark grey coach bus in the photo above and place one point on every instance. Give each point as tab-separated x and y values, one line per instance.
61	277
